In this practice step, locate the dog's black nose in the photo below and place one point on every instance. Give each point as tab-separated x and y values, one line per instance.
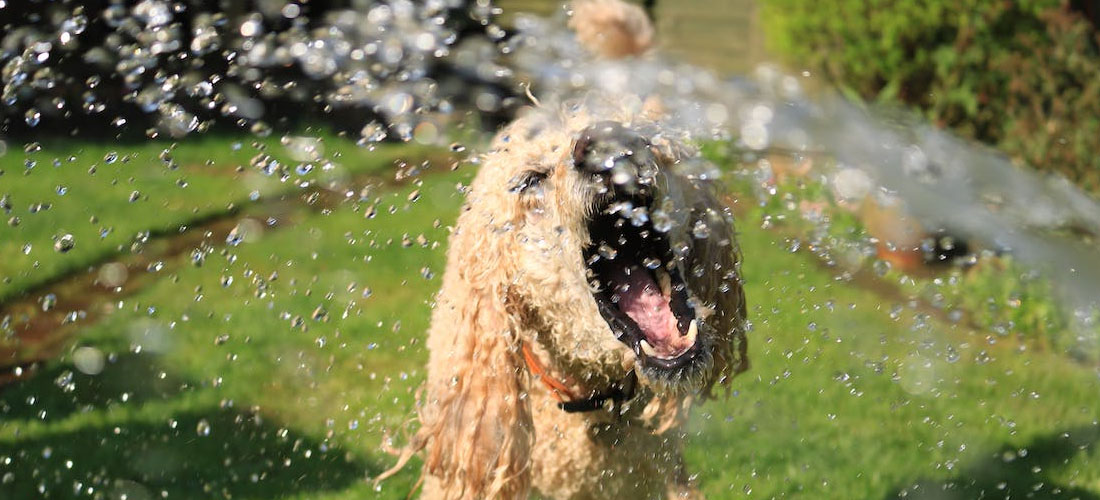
600	146
616	156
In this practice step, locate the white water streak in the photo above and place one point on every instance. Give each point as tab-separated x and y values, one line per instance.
943	180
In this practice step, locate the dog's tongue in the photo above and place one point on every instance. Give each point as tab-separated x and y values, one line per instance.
640	298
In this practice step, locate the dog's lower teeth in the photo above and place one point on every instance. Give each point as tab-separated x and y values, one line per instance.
693	331
665	281
648	349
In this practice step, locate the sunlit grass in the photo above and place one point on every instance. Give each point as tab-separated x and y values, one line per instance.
274	348
854	396
849	395
105	194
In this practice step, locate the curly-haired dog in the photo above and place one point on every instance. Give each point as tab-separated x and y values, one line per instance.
592	288
592	291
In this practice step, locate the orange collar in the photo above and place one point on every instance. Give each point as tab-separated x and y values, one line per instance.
618	393
558	388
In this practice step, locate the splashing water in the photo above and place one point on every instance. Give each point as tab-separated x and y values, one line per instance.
397	70
408	63
942	180
184	68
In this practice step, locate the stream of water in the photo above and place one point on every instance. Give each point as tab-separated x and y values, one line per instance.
945	182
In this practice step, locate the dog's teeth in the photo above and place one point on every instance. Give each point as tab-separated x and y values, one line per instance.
648	349
665	281
693	331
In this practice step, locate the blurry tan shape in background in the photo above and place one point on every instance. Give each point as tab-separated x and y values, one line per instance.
612	29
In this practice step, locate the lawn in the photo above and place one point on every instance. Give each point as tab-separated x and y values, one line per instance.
275	368
109	196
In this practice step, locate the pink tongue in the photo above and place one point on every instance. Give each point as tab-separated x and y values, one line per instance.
643	302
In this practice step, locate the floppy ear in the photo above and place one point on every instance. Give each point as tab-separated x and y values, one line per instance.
721	258
475	417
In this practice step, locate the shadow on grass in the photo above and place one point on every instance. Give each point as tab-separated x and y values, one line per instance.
192	450
1013	472
60	390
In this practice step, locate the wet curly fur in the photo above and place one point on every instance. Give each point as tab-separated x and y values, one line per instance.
516	278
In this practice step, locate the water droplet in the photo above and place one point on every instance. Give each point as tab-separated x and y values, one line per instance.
701	230
63	244
662	221
32	117
203	428
88	360
373	132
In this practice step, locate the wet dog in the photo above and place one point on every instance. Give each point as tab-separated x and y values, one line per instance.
592	293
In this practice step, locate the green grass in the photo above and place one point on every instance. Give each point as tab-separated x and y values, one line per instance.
104	195
332	382
849	400
297	378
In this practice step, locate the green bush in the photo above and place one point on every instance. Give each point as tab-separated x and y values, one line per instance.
1023	75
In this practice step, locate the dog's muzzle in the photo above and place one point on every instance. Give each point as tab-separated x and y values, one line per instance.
636	277
619	161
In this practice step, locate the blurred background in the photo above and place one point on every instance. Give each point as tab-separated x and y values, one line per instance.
223	223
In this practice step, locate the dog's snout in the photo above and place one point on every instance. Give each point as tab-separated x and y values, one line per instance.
618	155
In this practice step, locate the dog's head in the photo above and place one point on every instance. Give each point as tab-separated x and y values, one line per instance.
619	255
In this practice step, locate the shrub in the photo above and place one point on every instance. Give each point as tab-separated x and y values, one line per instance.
1023	75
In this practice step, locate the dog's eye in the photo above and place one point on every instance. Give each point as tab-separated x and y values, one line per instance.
526	180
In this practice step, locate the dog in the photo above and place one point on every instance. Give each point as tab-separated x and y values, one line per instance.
592	293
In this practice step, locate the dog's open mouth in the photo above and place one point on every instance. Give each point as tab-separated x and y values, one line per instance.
639	288
635	276
640	291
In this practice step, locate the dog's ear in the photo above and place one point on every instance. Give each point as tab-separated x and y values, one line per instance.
475	417
722	259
